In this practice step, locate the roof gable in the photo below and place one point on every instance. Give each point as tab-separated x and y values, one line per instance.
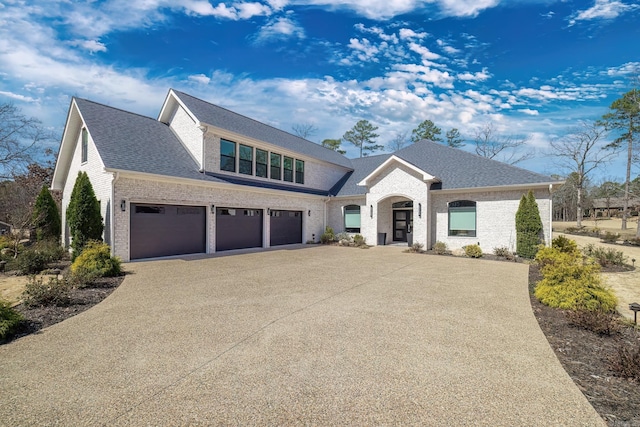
387	163
213	115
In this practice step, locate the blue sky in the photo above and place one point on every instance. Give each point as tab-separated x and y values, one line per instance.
532	68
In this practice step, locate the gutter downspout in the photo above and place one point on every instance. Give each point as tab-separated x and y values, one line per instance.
324	220
204	130
550	237
116	177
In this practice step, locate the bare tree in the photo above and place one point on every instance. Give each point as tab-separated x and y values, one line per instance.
581	152
505	148
304	130
398	141
19	139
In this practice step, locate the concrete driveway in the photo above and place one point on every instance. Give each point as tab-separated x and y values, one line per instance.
313	336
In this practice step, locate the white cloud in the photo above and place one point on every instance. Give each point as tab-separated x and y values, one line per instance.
424	52
199	78
529	111
249	10
365	51
90	45
17	96
408	33
280	28
466	8
603	9
479	76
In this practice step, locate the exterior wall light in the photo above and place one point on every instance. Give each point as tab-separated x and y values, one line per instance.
268	211
213	209
371	211
419	210
123	205
309	212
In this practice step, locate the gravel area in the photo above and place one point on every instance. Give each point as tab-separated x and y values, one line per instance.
320	335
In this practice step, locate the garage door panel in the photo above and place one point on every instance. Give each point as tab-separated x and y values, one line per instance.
164	230
238	228
286	227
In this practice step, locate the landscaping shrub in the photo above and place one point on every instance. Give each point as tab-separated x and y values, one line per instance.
633	241
626	362
528	226
51	249
328	236
30	261
605	256
473	251
359	240
416	248
54	292
9	320
83	214
609	237
440	248
96	259
571	283
564	244
343	236
597	321
46	218
503	252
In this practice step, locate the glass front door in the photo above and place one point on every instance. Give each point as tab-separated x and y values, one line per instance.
402	224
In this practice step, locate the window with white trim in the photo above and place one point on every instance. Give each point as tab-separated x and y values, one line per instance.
462	218
352	219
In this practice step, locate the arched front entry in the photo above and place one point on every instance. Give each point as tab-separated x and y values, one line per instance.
395	220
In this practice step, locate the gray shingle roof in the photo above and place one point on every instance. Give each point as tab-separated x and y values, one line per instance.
128	141
221	117
455	168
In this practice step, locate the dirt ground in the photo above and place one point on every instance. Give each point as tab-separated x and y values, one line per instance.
11	288
626	284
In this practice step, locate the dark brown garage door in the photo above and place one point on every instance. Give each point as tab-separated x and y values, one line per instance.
163	230
286	227
238	228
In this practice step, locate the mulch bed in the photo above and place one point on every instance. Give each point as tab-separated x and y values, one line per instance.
36	318
586	358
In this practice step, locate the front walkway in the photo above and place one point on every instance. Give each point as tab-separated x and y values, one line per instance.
321	336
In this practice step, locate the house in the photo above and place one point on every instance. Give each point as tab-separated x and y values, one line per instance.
203	179
613	206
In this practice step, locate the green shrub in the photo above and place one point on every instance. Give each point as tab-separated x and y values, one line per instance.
597	321
343	236
605	256
96	259
9	320
440	248
564	244
528	226
83	214
633	241
81	277
51	249
359	240
571	283
46	218
609	237
473	251
626	362
55	292
328	236
30	261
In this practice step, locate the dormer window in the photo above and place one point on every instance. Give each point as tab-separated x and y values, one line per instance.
84	144
227	155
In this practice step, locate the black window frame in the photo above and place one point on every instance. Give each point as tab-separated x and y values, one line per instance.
353	209
458	206
84	146
275	168
262	169
299	171
287	174
226	160
245	165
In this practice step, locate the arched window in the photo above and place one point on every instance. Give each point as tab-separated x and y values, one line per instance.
352	219
462	218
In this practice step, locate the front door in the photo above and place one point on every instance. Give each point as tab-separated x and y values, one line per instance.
402	224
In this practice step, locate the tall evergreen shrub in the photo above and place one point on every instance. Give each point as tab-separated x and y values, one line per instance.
83	214
528	226
46	217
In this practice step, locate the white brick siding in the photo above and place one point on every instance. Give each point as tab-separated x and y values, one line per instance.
137	190
495	218
100	180
186	129
335	212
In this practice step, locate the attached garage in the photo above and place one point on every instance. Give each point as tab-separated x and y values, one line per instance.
286	227
163	230
238	228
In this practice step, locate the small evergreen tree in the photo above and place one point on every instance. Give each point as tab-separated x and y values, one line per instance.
83	214
46	217
528	226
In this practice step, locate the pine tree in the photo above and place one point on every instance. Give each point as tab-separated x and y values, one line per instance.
83	214
528	226
363	136
46	217
426	130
